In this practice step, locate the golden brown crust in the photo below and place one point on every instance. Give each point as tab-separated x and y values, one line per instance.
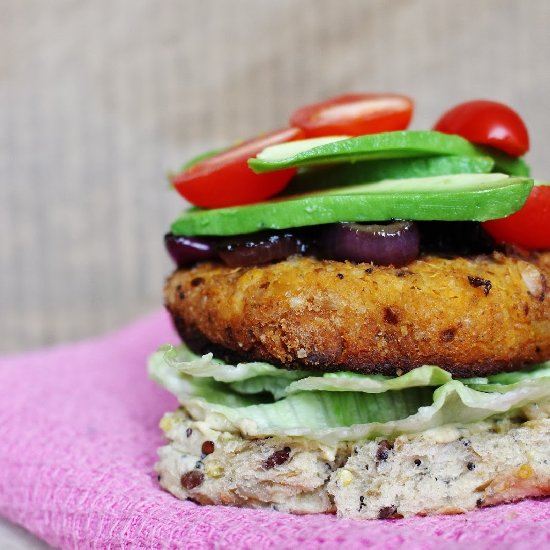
472	316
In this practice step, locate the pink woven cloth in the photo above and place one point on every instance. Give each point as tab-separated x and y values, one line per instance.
78	438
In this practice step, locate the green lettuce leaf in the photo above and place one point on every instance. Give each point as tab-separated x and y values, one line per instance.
253	399
184	386
331	417
504	381
251	378
244	378
372	383
185	361
275	386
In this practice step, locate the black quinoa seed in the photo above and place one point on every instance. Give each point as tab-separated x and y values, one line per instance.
340	276
478	281
471	466
188	432
417	461
383	451
382	455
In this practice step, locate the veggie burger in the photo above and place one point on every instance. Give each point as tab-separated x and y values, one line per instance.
365	316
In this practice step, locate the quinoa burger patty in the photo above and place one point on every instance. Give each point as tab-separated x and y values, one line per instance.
441	471
471	316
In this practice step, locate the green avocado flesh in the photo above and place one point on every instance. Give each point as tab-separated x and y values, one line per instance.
314	178
506	164
473	197
387	145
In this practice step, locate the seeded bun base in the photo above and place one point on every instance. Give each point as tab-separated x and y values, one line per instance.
254	473
471	316
443	471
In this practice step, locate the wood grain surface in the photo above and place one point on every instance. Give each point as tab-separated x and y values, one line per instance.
100	99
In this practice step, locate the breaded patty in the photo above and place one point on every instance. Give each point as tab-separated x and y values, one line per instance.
471	316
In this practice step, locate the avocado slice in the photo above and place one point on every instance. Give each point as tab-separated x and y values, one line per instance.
515	166
386	145
473	197
316	178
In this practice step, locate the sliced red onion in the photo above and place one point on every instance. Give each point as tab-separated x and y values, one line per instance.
260	248
188	250
395	243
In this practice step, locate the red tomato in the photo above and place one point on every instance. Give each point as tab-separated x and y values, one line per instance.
487	123
528	227
354	115
226	180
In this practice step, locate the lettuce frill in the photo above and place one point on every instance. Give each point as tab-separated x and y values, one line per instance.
260	400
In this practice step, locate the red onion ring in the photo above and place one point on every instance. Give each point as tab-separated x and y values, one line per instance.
260	248
397	243
188	250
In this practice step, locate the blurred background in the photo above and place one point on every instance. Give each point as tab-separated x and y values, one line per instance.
100	99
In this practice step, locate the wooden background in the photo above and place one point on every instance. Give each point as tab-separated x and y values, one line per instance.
99	99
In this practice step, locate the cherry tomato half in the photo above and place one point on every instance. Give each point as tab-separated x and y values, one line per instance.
225	179
528	227
354	115
487	123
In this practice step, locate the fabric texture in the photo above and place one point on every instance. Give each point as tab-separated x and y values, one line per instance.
78	439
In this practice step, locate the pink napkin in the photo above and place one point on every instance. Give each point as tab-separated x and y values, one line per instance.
78	439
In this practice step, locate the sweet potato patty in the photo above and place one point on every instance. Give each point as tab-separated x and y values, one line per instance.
471	316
